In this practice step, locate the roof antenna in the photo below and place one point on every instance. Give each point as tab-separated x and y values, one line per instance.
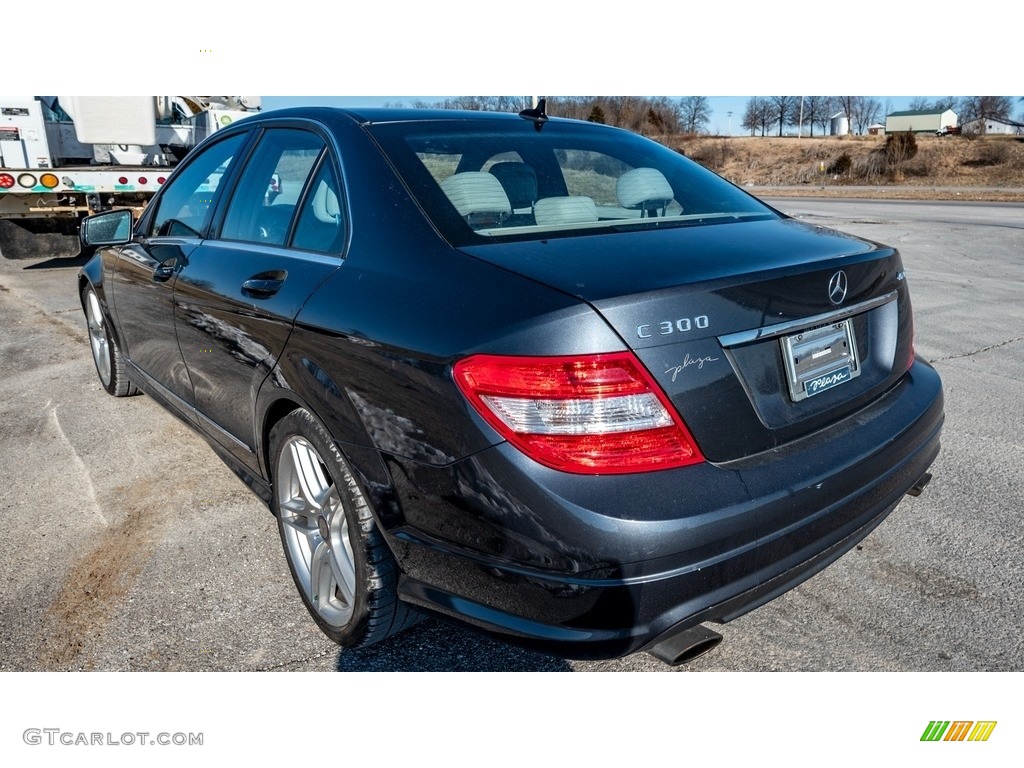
536	114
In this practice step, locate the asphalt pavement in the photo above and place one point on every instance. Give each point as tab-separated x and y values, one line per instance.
127	545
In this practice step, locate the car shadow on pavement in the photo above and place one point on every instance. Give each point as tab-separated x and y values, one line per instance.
61	262
441	646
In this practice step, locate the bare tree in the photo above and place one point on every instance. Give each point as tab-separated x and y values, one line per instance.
782	108
865	113
656	115
933	103
465	102
478	103
984	108
758	115
629	112
578	107
818	109
750	119
829	108
663	116
694	113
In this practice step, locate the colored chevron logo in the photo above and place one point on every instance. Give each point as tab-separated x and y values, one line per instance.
958	730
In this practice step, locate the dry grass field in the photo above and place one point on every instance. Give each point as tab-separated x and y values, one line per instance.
989	168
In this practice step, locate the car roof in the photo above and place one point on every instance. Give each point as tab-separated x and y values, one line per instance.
368	115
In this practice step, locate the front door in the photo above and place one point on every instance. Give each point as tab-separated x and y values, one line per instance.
147	269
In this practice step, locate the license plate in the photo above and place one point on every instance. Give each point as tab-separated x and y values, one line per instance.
819	359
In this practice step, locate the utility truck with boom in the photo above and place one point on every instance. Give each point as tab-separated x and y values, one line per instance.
64	158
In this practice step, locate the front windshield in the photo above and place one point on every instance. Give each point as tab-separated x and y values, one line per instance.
481	179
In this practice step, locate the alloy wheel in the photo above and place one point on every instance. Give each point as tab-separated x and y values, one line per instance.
99	340
316	531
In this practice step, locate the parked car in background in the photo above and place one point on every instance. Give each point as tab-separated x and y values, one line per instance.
545	377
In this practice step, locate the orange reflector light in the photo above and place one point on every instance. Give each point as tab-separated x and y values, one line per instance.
49	181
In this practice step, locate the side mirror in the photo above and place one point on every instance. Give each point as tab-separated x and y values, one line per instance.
109	228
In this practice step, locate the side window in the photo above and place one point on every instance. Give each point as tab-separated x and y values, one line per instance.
263	204
321	227
186	204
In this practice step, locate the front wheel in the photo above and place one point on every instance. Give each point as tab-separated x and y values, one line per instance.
110	365
343	569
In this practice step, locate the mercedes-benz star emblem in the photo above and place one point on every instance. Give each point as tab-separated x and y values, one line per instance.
837	288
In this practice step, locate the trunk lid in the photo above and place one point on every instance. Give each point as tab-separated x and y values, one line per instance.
714	312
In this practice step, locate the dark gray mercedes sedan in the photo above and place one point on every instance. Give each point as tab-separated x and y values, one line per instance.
545	377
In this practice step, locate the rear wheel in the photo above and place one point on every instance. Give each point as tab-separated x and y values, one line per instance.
343	569
110	366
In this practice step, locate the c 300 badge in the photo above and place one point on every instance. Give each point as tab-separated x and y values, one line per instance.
668	327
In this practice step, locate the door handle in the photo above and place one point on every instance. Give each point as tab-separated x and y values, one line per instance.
265	284
165	271
261	287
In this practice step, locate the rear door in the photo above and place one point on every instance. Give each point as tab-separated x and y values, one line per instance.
281	235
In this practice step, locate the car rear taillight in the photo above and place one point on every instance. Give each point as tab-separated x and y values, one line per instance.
588	414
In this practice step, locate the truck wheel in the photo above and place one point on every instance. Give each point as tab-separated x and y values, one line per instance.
343	569
106	354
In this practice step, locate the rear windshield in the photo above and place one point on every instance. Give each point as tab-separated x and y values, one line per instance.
486	179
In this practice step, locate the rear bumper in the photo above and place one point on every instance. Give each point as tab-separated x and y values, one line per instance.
602	567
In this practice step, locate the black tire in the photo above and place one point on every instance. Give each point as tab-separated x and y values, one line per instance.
342	567
106	354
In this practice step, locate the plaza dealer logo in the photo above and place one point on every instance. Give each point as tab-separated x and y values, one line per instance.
958	730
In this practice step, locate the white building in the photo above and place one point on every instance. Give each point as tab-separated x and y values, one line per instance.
920	120
992	126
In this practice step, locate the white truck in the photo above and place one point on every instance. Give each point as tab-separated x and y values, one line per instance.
63	158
